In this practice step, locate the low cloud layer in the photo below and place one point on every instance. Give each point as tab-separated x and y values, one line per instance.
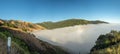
76	39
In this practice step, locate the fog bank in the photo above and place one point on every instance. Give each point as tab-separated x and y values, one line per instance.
79	38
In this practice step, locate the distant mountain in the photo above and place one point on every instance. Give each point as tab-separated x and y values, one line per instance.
107	44
69	22
25	43
21	25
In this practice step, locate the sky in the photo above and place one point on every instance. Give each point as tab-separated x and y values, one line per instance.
55	10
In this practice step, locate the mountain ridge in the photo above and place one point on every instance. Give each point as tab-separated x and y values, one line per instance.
68	22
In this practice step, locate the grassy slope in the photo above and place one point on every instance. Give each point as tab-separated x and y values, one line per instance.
69	22
26	43
23	42
21	25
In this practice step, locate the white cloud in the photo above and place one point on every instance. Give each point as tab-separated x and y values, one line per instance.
80	38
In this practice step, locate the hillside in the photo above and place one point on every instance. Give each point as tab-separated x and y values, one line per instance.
25	43
22	41
107	44
21	25
69	22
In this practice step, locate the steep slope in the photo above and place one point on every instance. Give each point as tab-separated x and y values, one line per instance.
69	22
25	43
107	44
22	41
21	25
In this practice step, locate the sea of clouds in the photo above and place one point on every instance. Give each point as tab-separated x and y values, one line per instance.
76	39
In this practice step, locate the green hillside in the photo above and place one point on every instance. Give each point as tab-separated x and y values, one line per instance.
107	44
22	41
69	22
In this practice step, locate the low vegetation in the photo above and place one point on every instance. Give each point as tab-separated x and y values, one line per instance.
22	41
107	44
26	43
21	25
69	22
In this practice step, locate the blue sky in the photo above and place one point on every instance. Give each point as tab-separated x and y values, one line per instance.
55	10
